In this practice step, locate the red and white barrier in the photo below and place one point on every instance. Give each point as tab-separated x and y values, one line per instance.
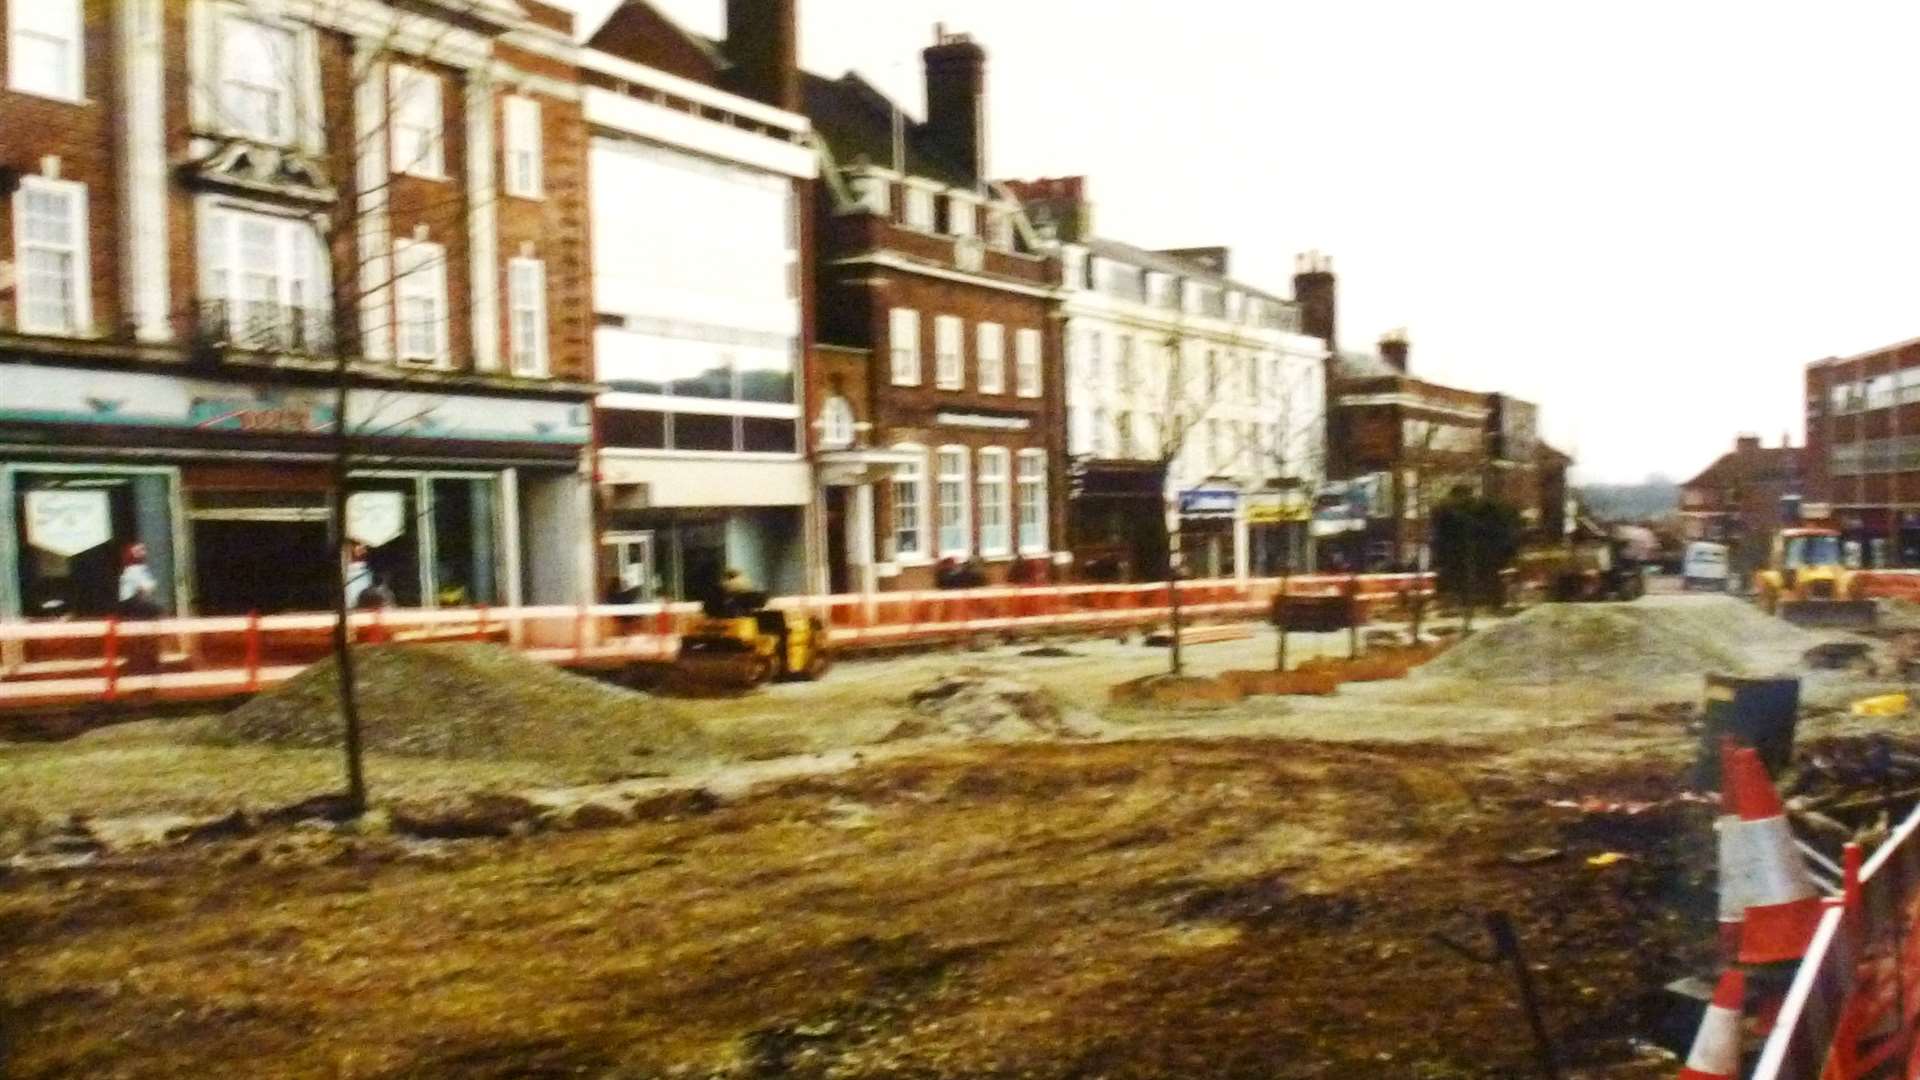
1779	905
108	660
1715	1054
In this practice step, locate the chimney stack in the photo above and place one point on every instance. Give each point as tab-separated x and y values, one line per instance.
957	100
1313	290
763	47
1746	444
1393	349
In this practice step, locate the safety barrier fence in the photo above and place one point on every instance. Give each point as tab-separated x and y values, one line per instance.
1901	584
1851	1009
109	660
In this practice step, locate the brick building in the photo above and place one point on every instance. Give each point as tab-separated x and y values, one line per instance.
702	177
1742	499
1861	466
213	202
937	298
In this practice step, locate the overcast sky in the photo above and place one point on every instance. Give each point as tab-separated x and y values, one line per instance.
1647	216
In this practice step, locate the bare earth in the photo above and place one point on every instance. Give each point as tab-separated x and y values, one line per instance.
1249	892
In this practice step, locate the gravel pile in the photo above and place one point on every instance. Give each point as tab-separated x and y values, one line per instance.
469	701
975	703
1628	642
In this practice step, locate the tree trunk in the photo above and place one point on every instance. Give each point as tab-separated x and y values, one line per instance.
1353	616
342	631
1280	619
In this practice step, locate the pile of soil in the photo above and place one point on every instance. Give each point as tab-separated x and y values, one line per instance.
468	701
1628	642
975	703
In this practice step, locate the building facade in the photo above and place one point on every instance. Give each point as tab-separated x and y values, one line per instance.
702	172
1861	465
228	219
1742	499
938	299
1193	402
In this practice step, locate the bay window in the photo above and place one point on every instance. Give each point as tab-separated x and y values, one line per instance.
955	525
262	279
994	500
50	247
1032	480
910	508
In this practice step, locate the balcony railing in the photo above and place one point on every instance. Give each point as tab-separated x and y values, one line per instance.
266	327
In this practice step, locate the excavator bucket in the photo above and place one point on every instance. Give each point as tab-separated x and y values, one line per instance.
1835	614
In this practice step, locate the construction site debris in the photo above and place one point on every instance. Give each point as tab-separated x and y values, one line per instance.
468	701
1176	692
1881	705
978	703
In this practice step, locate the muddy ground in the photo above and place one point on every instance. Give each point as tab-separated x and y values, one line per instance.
1255	891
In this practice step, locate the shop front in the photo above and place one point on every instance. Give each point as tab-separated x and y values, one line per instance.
1117	520
1277	534
220	492
1213	532
671	527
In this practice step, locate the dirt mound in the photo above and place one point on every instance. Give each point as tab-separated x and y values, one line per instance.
468	701
1627	642
975	703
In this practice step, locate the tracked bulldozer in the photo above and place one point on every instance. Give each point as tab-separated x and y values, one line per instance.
1807	582
740	643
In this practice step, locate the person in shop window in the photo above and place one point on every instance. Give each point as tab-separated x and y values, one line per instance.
139	602
359	574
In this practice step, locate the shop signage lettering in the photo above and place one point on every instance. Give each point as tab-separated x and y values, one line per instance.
1209	502
983	420
376	518
1277	508
255	416
67	523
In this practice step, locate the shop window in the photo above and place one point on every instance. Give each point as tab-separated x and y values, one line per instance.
760	435
699	431
261	551
392	567
464	544
92	543
637	429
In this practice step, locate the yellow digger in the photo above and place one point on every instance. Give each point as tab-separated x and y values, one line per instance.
740	642
1807	583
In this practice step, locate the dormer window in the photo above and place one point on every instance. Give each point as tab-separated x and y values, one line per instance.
920	208
1000	229
256	80
960	216
873	193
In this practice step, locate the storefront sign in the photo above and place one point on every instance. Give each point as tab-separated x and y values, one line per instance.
376	518
1345	505
1209	502
1277	507
983	420
68	522
148	400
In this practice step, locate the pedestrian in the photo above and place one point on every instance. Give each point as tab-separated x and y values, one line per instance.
359	575
139	597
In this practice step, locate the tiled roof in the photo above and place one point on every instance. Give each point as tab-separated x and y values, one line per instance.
856	119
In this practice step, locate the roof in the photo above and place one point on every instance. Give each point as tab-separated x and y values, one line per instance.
1362	365
1764	461
856	119
1171	264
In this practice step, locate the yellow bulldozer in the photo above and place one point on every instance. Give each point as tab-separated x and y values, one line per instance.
1807	582
740	642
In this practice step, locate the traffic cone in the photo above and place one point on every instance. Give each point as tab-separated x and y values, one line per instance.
1731	844
1781	907
1716	1046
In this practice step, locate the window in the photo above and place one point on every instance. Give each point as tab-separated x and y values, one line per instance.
903	338
910	507
256	80
1124	368
523	147
919	208
949	353
836	423
995	507
50	238
1097	359
960	216
1000	229
1033	502
527	316
43	48
873	193
955	529
263	279
1102	435
417	119
1026	363
421	290
1123	430
991	349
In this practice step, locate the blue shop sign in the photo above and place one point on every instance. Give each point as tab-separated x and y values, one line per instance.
1209	502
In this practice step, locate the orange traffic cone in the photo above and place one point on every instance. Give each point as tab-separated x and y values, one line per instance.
1716	1047
1781	905
1732	856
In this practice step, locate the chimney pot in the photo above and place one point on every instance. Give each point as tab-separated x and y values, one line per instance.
763	47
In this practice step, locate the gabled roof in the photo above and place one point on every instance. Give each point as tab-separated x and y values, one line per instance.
636	30
1758	463
857	121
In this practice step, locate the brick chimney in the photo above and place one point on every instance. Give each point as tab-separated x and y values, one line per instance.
1746	444
1393	349
957	100
1313	290
763	46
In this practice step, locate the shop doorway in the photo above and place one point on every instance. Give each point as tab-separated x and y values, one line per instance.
268	566
839	555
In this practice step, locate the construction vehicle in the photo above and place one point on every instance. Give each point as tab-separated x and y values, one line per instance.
1590	569
741	642
1806	581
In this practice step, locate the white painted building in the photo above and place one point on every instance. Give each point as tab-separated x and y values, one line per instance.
1169	360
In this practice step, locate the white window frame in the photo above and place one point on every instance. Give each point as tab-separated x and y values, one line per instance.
918	474
420	271
287	117
993	492
1028	380
405	85
527	357
990	358
949	353
874	193
74	85
921	209
222	271
836	423
963	215
1030	483
1000	228
903	346
80	285
521	166
961	481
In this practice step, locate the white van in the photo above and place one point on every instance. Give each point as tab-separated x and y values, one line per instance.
1704	566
